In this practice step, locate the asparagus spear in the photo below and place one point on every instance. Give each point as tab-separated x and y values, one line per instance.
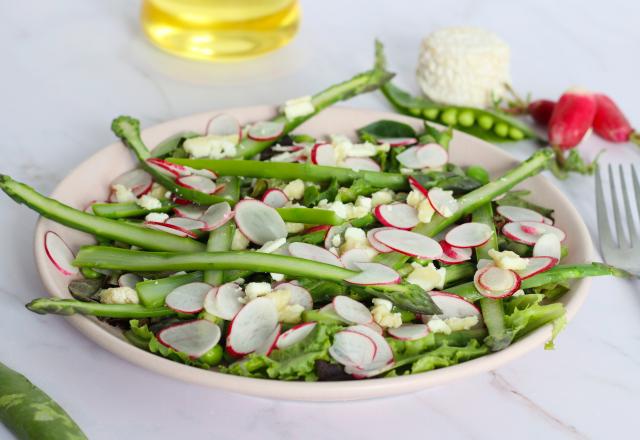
101	227
128	130
554	275
59	306
361	83
30	413
291	171
492	309
126	209
485	194
406	296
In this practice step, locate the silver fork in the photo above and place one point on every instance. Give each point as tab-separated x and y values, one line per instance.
620	251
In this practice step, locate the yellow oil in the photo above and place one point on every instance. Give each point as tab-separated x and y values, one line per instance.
219	30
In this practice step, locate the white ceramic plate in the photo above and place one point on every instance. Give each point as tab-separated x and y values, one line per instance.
90	181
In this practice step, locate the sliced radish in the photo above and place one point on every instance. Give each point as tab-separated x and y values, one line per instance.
397	141
318	228
270	342
548	245
295	334
203	172
409	332
129	280
185	223
252	327
259	222
518	214
547	221
484	262
432	156
323	154
274	197
189	211
383	357
410	243
314	253
352	349
224	125
266	130
529	232
494	282
408	158
194	338
469	235
168	168
138	181
59	253
454	255
397	215
375	243
351	310
453	306
353	256
299	295
197	183
535	265
333	232
361	163
171	229
224	301
216	216
374	274
414	184
375	327
188	298
442	202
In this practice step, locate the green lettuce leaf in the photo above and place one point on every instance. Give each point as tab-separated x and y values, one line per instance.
296	362
526	313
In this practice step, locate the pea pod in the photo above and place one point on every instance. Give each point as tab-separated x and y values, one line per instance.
489	125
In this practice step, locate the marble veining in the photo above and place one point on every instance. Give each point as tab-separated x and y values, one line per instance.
70	67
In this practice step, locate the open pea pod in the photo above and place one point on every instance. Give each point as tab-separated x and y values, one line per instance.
485	124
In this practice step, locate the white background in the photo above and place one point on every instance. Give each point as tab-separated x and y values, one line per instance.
68	67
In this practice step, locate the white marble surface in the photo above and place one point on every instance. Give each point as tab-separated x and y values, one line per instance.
68	67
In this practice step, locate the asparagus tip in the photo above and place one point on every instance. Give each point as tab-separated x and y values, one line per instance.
122	123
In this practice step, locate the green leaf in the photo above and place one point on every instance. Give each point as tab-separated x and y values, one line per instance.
386	129
526	313
432	134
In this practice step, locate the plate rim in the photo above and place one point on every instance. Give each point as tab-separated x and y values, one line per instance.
105	336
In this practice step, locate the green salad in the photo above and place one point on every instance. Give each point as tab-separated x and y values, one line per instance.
265	252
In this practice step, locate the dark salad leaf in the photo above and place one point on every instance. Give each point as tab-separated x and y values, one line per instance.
385	129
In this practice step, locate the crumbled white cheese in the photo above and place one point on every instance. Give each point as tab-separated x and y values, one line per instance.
508	260
336	240
295	108
119	295
287	313
256	290
211	146
384	147
159	217
277	277
427	277
415	197
272	246
448	205
437	325
122	194
518	292
382	197
382	315
294	190
239	241
457	324
464	66
483	262
158	191
294	228
148	202
362	150
354	238
346	211
406	171
425	211
364	203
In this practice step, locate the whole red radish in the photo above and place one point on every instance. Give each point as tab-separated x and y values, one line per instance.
572	117
541	110
610	123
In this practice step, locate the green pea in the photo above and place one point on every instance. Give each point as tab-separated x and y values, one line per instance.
414	111
485	122
87	272
449	116
430	113
466	118
478	173
213	356
516	133
501	129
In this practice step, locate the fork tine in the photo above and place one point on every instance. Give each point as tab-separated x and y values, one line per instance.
606	240
622	239
636	187
633	233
